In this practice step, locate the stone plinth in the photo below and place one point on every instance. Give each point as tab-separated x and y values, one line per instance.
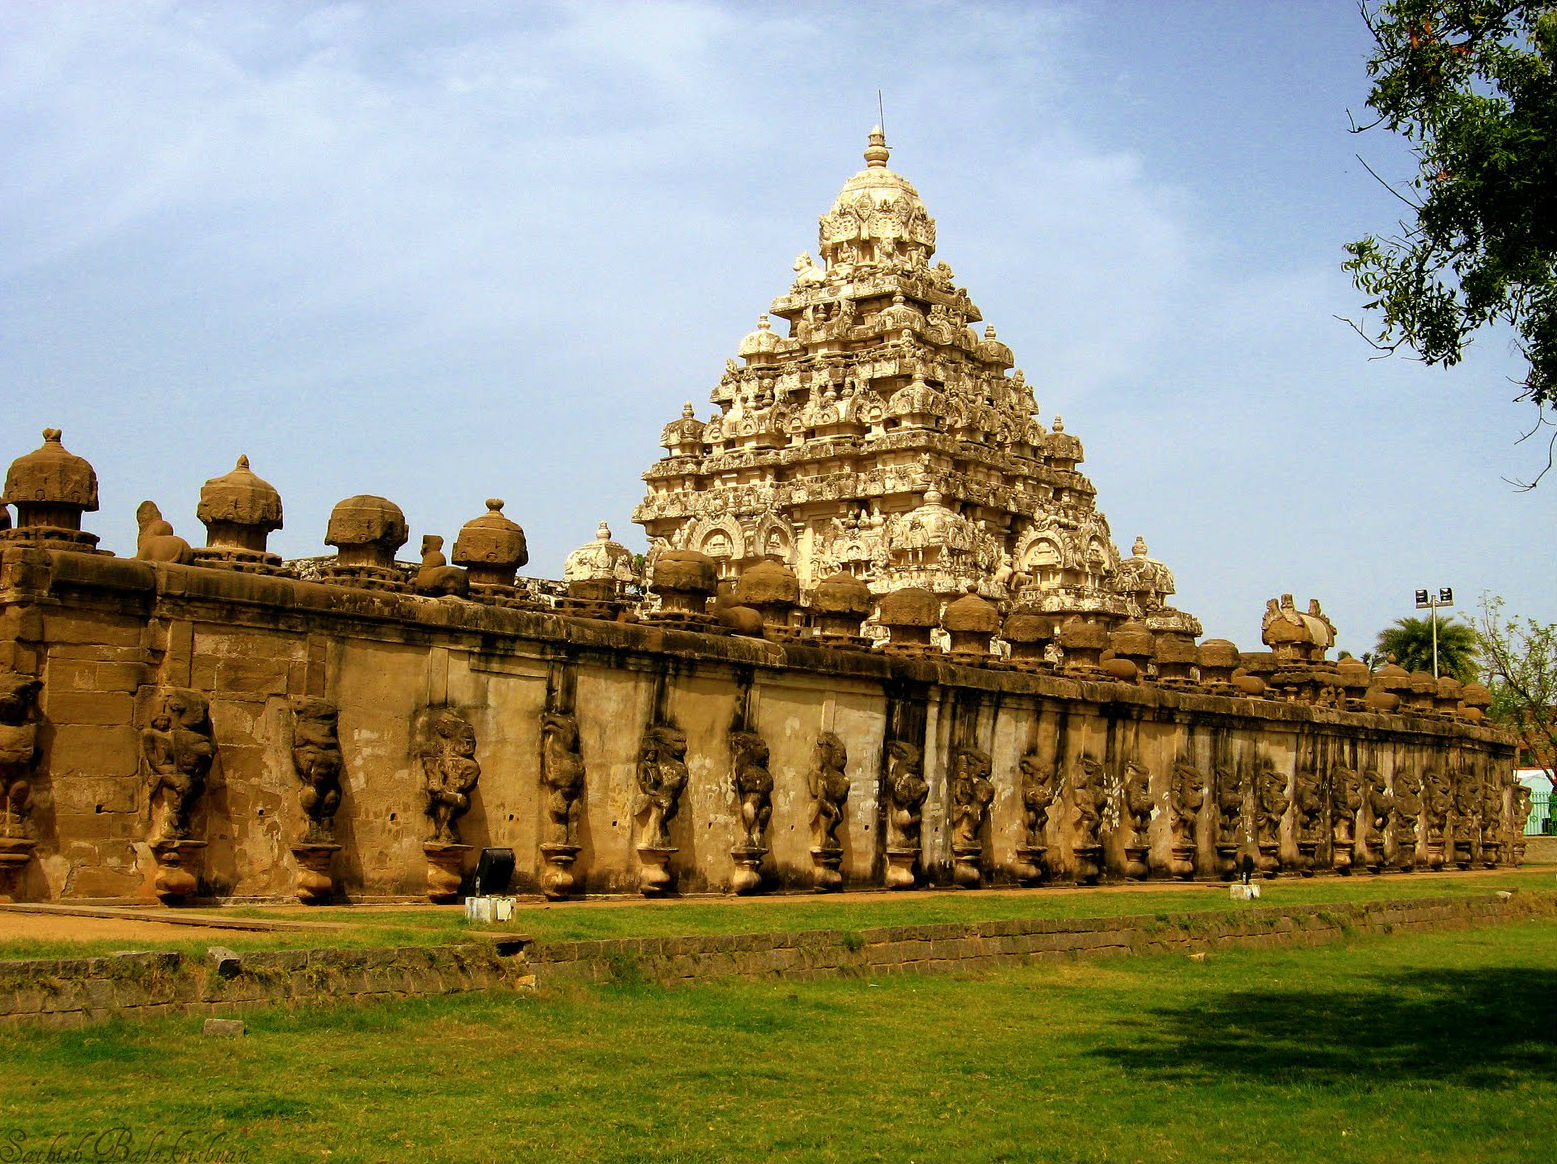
178	863
900	868
315	883
15	852
445	871
654	875
557	880
825	877
747	877
966	860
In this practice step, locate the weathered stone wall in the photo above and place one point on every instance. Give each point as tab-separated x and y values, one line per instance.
106	634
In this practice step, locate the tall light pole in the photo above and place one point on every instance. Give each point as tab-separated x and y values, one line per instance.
1424	602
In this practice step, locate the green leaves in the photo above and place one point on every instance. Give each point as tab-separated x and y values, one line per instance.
1471	84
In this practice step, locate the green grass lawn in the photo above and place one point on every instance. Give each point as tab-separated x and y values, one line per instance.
1422	1048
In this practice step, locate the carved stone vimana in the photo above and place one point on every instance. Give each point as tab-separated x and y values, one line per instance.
885	437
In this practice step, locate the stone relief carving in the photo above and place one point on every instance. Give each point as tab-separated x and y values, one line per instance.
178	749
1136	804
1090	798
1408	812
829	788
1037	799
1229	808
1186	797
662	776
1378	807
446	748
562	774
753	785
972	793
906	792
1137	801
317	760
18	750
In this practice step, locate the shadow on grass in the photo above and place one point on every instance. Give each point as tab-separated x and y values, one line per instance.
1476	1028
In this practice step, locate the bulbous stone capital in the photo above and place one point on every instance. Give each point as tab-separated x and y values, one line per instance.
767	583
492	543
912	606
367	530
239	508
971	614
51	476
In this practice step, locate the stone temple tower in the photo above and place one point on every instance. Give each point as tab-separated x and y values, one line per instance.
887	437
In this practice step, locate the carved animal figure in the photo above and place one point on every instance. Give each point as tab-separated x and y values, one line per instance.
18	749
1491	810
1270	801
972	793
1307	804
753	784
1037	798
178	749
1437	799
1137	800
1379	806
906	792
1408	808
435	577
1229	808
1187	794
829	787
662	774
1345	800
446	746
562	772
156	541
317	759
1088	801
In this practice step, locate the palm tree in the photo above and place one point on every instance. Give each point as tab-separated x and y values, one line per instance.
1410	641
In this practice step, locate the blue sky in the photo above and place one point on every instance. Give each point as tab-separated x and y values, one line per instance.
450	251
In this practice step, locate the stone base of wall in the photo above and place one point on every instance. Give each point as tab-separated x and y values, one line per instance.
1540	851
74	991
945	948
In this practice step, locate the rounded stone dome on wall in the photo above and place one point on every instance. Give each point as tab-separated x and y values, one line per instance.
492	547
239	508
767	583
971	614
51	488
366	530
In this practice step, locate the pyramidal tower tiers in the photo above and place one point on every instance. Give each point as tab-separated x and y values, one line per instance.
886	437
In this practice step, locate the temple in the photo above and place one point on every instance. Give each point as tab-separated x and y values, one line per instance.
886	438
884	639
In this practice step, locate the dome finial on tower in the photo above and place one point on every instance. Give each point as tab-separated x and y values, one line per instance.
876	153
